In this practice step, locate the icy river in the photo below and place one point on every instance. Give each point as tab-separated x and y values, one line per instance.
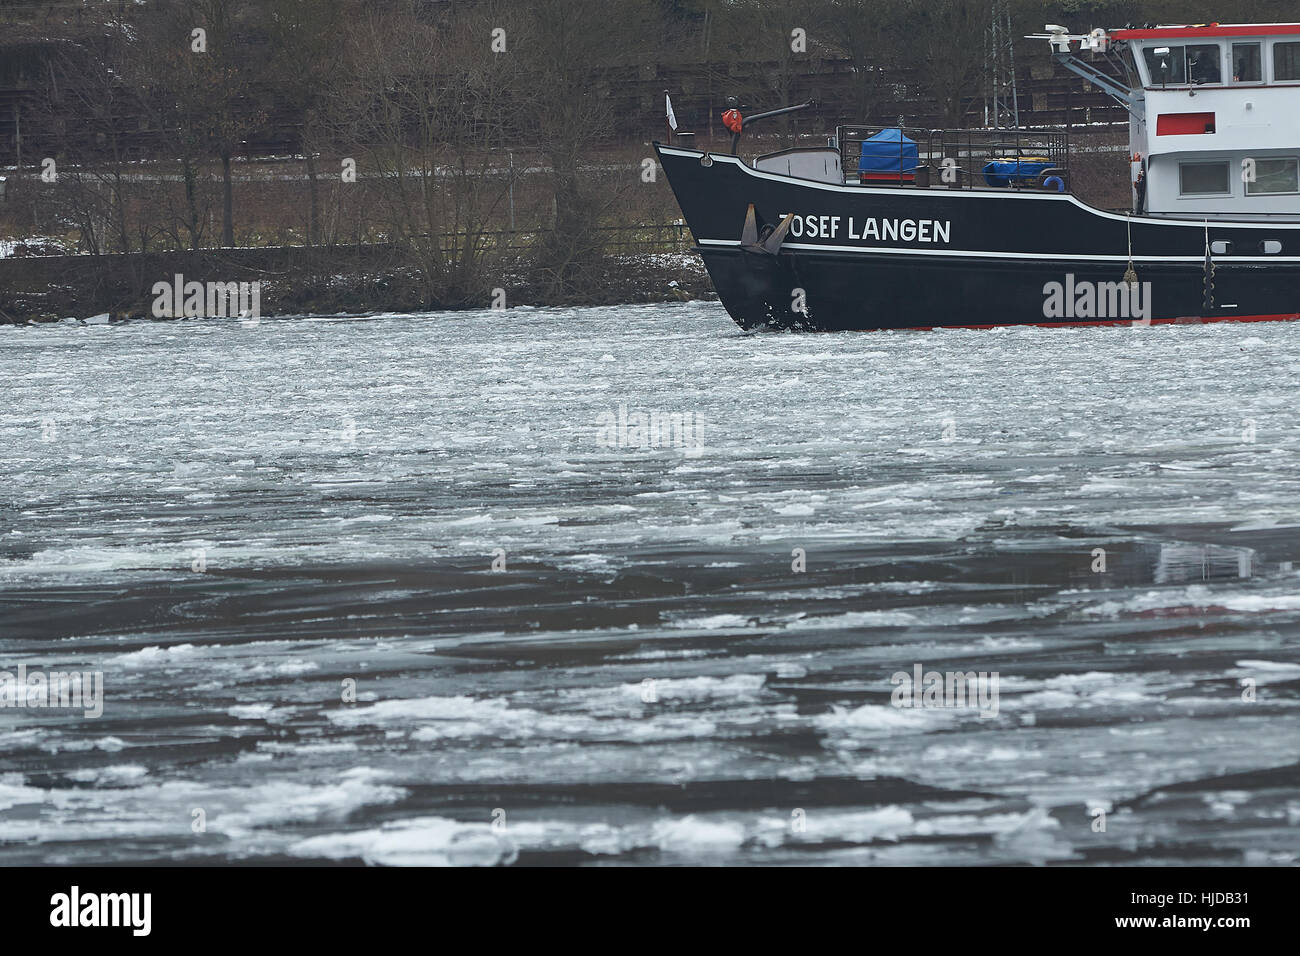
422	590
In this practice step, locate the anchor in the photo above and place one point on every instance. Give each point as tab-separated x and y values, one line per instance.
768	242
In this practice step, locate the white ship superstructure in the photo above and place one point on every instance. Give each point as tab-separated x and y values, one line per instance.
1214	115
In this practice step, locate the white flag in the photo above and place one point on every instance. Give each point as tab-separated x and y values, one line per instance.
672	120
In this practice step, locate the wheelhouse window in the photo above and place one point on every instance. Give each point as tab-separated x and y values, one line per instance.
1246	63
1273	176
1204	63
1196	64
1203	179
1174	61
1286	61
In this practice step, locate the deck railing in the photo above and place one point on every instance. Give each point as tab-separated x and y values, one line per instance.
957	158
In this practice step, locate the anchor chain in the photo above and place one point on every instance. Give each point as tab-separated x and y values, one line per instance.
1207	285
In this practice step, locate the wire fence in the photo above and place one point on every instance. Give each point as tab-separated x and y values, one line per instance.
616	240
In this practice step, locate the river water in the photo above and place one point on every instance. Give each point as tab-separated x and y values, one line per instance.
405	590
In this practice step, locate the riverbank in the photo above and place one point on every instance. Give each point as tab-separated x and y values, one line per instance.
297	280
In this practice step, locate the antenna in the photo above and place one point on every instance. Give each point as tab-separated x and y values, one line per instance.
1001	99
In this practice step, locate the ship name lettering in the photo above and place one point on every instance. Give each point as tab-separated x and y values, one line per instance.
880	230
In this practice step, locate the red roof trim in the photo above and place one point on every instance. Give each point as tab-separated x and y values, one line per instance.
1210	30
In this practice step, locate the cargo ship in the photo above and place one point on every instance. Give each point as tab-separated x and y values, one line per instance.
904	228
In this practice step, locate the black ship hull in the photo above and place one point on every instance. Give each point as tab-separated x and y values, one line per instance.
905	257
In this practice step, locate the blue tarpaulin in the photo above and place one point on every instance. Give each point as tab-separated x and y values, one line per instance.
889	151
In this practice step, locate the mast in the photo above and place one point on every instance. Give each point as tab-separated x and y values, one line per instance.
1001	98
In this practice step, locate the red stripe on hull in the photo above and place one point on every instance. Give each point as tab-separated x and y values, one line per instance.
1078	324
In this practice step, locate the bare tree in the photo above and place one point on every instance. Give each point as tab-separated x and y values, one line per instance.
774	45
303	56
944	41
573	51
866	32
193	70
426	101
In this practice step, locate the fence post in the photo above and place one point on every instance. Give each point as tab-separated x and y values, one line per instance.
511	156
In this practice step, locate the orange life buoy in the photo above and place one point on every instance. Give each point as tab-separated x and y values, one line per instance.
733	120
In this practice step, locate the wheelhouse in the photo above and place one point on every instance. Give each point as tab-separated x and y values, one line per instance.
1213	130
1215	56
